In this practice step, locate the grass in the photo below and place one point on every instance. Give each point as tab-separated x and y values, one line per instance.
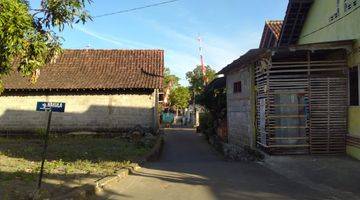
71	161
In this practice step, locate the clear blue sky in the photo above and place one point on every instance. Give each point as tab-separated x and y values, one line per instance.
228	27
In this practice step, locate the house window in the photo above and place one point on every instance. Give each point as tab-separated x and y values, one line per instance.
237	87
354	86
161	97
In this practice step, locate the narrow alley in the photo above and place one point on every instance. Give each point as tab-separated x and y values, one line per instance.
190	169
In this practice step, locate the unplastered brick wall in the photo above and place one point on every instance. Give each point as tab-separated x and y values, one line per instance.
240	130
85	112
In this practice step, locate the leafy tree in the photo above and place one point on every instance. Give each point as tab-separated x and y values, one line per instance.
170	82
196	78
214	100
27	35
180	97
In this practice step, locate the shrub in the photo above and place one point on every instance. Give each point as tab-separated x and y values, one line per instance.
207	126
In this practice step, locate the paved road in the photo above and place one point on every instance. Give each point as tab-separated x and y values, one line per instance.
191	169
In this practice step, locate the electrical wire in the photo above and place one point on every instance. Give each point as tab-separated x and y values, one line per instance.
136	8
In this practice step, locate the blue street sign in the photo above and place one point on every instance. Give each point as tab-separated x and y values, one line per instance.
53	106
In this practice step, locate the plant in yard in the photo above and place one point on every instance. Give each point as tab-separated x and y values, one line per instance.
28	39
170	82
213	99
196	78
40	132
180	97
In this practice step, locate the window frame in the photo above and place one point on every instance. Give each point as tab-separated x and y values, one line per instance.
237	87
354	93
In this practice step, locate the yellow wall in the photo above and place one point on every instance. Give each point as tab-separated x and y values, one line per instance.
354	130
319	28
354	121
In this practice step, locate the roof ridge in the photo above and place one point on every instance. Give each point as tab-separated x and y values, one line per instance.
274	21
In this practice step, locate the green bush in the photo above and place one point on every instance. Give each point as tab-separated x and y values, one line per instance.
207	126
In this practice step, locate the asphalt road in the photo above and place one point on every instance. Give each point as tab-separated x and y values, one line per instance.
190	169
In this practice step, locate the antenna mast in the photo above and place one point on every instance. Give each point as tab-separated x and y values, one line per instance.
203	68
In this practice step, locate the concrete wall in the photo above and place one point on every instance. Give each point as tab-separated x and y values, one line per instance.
91	112
240	109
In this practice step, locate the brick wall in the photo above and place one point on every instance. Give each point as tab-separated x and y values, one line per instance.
239	109
92	112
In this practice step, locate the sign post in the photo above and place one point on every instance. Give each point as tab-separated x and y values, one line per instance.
48	107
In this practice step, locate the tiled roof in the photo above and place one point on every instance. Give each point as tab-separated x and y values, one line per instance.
97	69
271	33
275	26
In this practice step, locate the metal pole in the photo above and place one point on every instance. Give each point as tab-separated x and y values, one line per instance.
194	105
45	148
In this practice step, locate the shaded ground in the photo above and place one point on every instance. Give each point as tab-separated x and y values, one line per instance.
191	169
335	175
71	161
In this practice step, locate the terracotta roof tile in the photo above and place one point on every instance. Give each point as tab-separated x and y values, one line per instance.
275	26
271	33
97	69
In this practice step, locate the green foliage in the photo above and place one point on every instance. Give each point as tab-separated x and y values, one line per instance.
27	39
180	97
70	159
40	131
206	122
196	78
214	100
170	80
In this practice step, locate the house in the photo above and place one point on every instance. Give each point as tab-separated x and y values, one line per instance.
241	92
335	21
104	90
301	95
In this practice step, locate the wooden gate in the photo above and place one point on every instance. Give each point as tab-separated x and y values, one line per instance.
328	114
302	100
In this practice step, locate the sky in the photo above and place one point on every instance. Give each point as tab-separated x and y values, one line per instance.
228	29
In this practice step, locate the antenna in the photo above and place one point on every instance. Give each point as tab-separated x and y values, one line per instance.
88	46
203	68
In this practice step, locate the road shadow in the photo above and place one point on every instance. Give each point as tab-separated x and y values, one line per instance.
189	162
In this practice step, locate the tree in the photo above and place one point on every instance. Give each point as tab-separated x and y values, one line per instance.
196	78
213	98
27	37
180	97
170	82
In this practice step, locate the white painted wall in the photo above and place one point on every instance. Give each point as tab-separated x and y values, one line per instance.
82	112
